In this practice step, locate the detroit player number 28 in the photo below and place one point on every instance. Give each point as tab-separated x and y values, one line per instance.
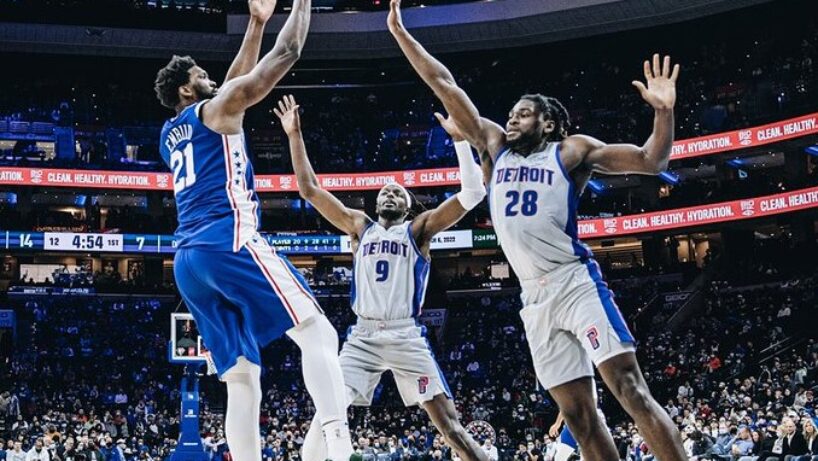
536	173
391	267
240	291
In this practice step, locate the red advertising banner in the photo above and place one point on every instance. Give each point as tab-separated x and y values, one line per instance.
750	137
85	178
698	215
363	181
706	145
264	183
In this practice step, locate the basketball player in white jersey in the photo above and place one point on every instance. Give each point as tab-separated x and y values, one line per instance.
536	173
391	268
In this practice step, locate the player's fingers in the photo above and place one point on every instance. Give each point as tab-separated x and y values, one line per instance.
675	74
639	86
646	70
295	109
282	107
291	100
666	67
657	71
440	118
278	114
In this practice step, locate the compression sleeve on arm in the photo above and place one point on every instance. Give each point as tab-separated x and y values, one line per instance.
472	190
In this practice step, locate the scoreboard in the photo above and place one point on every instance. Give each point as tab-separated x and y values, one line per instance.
87	242
166	244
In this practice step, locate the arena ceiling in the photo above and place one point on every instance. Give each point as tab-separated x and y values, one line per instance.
489	24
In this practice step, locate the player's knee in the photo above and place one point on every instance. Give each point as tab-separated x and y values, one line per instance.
633	393
243	372
453	431
578	411
581	415
315	332
581	423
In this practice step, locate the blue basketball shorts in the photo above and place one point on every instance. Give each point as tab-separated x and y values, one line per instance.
242	301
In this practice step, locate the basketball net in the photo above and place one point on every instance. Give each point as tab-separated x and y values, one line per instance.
211	365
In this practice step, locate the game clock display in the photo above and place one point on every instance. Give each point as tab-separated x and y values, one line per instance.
68	241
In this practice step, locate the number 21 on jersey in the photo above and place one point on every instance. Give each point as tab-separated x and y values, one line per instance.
179	160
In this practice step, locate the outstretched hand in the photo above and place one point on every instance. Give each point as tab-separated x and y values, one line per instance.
261	9
287	112
448	124
660	92
394	20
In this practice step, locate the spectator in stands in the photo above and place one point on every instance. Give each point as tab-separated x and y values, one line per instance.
775	442
742	444
17	454
490	449
788	438
811	441
723	441
38	452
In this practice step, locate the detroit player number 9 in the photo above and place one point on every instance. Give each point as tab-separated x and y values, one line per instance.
391	269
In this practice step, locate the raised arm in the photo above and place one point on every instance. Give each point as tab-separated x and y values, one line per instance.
650	158
350	221
472	192
226	111
247	57
486	136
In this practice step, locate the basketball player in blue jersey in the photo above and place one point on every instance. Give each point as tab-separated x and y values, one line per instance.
536	173
391	268
241	292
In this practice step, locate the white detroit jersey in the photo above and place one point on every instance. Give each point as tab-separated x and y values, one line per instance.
533	204
389	274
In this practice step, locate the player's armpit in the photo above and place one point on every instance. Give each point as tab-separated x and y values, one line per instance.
245	91
430	223
495	138
605	158
482	133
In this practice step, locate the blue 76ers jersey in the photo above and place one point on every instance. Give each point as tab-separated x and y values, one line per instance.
216	203
533	204
389	274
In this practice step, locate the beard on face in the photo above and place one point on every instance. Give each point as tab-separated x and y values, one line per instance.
204	92
524	140
392	215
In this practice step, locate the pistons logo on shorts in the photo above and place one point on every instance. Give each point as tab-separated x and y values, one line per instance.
593	337
423	384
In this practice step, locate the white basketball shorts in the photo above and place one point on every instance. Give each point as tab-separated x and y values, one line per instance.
373	346
572	323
